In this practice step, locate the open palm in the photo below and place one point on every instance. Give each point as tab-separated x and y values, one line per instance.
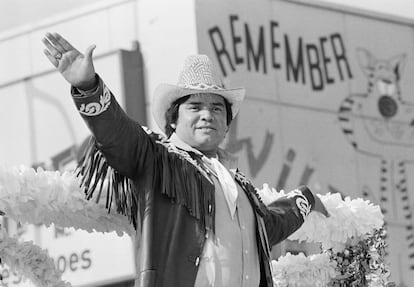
75	67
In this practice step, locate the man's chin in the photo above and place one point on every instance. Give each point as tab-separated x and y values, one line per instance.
207	145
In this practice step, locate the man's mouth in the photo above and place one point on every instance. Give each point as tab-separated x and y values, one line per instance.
207	128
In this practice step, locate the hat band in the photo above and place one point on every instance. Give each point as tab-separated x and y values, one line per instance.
202	86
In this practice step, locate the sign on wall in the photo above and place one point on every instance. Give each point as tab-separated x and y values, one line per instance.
84	259
43	128
329	104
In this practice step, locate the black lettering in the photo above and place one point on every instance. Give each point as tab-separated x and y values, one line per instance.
298	69
339	53
61	232
274	45
313	63
260	50
220	50
304	180
325	60
73	259
86	259
284	174
61	264
236	40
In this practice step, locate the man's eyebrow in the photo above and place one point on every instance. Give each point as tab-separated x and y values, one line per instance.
195	102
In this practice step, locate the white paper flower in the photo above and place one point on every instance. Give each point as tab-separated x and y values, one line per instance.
355	217
46	197
349	218
269	194
30	261
303	271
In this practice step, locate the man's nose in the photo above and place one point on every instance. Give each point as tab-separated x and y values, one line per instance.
206	114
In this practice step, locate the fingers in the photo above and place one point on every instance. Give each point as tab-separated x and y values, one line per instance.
65	45
55	42
51	58
56	45
51	48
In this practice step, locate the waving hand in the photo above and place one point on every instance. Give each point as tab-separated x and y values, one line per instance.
75	67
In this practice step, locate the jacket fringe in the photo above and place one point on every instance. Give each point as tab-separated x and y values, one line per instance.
98	177
185	184
174	175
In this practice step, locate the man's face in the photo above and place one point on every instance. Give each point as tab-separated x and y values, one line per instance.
202	122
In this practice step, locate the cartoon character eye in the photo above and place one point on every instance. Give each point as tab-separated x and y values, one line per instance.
382	87
391	89
386	88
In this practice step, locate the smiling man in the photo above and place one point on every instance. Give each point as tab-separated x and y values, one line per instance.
199	220
202	122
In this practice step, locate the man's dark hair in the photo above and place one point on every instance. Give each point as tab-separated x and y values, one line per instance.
171	115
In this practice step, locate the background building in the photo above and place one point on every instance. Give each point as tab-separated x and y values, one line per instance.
329	86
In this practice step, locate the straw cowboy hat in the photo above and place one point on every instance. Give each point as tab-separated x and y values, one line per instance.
197	76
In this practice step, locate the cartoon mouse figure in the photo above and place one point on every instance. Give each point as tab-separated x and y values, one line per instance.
380	124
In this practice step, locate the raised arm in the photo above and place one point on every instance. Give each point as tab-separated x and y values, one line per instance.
124	144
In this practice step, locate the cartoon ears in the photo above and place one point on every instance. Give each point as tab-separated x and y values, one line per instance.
367	61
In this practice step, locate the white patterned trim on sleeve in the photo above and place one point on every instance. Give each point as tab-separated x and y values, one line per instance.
97	108
301	202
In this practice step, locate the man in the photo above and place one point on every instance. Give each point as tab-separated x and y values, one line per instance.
200	221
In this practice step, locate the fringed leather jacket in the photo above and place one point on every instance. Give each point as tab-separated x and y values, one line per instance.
167	194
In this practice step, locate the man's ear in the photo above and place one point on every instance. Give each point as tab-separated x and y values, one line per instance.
173	125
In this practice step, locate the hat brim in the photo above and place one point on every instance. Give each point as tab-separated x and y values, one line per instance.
166	94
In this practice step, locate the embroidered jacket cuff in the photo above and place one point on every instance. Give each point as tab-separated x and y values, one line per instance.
93	102
304	200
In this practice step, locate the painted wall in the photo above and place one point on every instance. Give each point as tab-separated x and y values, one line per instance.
329	103
40	126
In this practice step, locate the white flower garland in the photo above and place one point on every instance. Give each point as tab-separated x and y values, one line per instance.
302	271
30	261
46	197
356	217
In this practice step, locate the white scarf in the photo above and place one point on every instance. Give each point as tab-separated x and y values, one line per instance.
227	183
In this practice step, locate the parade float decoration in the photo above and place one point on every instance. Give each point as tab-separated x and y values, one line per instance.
352	246
351	238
